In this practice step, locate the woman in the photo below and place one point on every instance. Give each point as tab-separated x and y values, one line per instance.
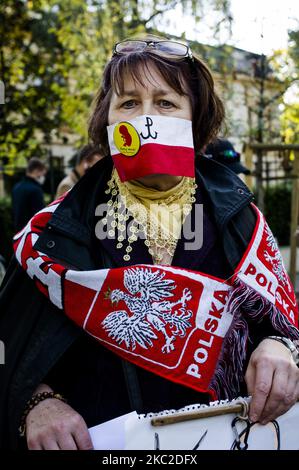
152	89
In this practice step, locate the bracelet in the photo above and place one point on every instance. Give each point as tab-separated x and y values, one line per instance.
35	400
288	343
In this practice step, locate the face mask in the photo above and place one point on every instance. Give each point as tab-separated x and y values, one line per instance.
41	179
150	145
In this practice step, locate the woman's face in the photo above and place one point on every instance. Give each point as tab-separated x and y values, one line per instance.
156	97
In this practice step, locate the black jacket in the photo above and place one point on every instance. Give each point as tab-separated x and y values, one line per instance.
27	199
35	333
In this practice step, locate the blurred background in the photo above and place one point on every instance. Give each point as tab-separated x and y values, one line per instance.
52	55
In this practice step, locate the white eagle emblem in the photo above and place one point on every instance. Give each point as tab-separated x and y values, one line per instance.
149	311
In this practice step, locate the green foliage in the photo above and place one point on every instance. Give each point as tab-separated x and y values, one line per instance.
30	59
290	115
290	123
52	55
88	31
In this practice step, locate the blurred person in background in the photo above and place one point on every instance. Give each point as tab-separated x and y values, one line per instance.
84	159
28	195
223	151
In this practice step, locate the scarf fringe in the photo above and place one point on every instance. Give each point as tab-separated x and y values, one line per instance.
245	304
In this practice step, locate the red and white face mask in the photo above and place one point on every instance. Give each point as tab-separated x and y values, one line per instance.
150	145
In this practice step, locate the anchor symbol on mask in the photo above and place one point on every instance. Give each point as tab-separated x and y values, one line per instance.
148	125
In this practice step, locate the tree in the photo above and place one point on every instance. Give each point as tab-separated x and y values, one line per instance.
290	123
290	114
30	67
88	31
52	56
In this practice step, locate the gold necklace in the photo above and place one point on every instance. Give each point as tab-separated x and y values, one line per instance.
159	239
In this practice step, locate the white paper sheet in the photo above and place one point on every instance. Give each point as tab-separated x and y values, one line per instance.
133	432
111	435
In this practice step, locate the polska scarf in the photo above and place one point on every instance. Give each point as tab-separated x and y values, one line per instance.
186	326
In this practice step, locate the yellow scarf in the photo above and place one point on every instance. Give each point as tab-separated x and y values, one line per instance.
160	213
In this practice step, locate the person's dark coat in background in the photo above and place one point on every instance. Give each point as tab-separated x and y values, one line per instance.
27	199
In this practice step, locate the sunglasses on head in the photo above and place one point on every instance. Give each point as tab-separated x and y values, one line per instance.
165	48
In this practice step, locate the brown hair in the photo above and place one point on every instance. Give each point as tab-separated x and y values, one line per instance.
35	164
86	153
185	76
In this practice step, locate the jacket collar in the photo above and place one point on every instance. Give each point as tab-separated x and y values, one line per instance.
29	179
225	190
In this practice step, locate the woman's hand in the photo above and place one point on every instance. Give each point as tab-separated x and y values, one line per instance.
272	379
54	425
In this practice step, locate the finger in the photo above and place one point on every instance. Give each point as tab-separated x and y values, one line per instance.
261	389
49	444
275	400
297	392
82	437
67	442
250	379
33	444
286	395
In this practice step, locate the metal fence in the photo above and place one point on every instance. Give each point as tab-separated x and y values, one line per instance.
272	165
